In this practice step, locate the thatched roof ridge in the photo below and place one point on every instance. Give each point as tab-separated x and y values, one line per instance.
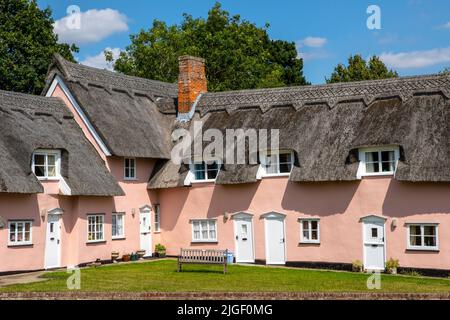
31	122
329	94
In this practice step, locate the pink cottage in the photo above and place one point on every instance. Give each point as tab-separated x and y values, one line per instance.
362	172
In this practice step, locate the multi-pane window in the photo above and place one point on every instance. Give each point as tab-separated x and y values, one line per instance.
423	236
275	163
118	224
310	232
46	164
380	161
130	168
205	170
20	233
157	218
96	227
204	230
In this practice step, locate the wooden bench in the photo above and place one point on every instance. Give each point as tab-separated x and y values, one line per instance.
203	256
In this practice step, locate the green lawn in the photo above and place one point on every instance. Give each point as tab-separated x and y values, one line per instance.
162	276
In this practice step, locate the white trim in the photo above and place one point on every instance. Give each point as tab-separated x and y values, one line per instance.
276	216
145	208
310	240
248	217
21	243
46	153
56	211
262	169
201	240
58	81
64	187
369	218
422	236
362	161
191	174
95	215
122	236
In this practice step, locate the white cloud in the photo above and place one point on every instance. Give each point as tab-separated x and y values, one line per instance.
95	25
314	42
416	59
99	61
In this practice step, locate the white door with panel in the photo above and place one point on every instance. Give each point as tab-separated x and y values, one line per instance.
145	231
53	242
374	242
275	238
243	232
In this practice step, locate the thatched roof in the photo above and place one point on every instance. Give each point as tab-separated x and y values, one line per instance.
122	109
33	122
324	125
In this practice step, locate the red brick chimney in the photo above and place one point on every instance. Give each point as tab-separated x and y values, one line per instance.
191	81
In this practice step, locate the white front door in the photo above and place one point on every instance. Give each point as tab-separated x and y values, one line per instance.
374	243
275	239
145	231
53	242
243	231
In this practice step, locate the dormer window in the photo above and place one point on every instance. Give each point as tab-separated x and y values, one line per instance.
378	161
276	163
46	164
204	171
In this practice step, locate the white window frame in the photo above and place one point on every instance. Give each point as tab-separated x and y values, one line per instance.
264	154
423	247
95	215
121	236
310	240
193	179
157	219
201	239
362	161
125	167
46	153
20	243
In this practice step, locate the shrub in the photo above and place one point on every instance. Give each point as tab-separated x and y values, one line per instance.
392	265
160	248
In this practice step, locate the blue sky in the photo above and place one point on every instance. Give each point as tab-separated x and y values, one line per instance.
414	37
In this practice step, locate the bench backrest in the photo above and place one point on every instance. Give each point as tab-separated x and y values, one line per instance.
203	255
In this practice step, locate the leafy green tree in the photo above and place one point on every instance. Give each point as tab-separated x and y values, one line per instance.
238	54
358	69
27	44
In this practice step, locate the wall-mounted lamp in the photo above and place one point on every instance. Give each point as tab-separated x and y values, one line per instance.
43	213
225	217
2	222
133	212
394	223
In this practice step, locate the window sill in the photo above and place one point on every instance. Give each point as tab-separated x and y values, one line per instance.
274	175
309	242
95	241
203	181
15	245
130	179
206	241
378	174
118	238
423	249
48	179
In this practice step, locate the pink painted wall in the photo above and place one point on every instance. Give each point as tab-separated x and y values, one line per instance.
338	205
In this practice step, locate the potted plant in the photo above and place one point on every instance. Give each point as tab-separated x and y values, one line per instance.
357	266
114	256
134	256
126	257
392	265
141	254
160	250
